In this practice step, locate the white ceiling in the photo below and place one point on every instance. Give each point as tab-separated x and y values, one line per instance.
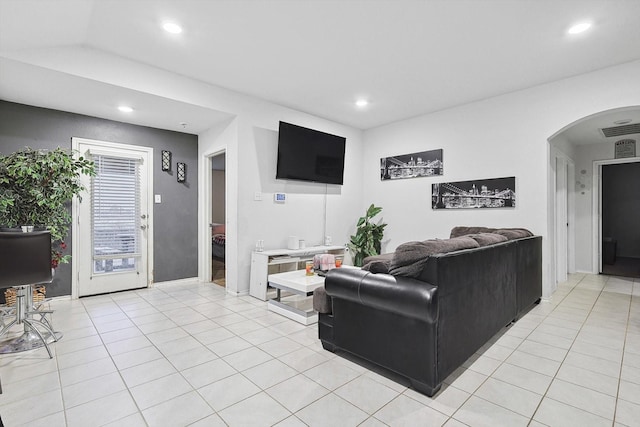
407	57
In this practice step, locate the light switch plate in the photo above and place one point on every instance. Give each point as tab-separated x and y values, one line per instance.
157	198
257	196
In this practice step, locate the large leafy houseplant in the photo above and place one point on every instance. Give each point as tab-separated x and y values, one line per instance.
366	242
36	188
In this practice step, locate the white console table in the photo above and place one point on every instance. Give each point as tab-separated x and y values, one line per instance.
280	260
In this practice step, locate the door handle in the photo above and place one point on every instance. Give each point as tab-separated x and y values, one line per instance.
143	216
143	227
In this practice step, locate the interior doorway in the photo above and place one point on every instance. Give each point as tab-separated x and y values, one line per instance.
619	202
217	222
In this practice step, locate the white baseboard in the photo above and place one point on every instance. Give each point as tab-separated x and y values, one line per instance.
61	298
176	282
236	294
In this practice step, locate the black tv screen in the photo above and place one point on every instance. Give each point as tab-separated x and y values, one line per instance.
309	155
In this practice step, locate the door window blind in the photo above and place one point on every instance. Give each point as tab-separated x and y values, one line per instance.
115	213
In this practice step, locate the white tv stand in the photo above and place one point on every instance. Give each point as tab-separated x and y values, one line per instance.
281	260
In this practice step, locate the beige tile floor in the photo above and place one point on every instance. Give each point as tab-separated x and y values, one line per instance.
189	354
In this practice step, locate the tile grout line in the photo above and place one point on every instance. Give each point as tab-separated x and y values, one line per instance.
624	345
505	361
302	339
115	366
569	349
600	293
219	357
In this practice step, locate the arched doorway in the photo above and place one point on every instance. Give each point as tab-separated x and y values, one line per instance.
576	155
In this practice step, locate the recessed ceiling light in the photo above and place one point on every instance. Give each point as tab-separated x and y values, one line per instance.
125	109
172	27
622	122
362	103
579	28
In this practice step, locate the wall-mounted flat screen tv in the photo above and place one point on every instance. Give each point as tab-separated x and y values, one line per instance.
309	155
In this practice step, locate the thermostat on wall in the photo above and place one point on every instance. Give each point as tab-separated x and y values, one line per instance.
279	197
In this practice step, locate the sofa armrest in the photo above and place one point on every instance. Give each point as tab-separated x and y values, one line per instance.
400	295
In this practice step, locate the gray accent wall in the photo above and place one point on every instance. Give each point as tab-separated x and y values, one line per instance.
175	219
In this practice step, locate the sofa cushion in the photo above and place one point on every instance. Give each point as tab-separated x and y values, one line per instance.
410	257
378	266
383	257
509	233
464	230
378	263
486	239
514	233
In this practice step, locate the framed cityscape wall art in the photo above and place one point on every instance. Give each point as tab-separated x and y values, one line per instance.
479	193
414	165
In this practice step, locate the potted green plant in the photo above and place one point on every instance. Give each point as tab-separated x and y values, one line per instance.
36	188
366	241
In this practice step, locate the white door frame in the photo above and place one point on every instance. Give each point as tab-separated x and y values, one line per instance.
561	220
75	210
571	212
597	208
208	210
562	245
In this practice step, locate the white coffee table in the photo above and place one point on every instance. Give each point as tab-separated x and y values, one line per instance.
298	307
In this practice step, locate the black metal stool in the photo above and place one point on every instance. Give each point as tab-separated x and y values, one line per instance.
25	259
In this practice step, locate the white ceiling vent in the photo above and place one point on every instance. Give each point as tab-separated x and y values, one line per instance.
621	130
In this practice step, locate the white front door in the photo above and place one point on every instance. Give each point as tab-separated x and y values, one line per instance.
113	219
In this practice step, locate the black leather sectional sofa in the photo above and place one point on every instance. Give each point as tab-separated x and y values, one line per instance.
425	327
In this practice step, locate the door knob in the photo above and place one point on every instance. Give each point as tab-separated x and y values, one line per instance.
143	216
143	227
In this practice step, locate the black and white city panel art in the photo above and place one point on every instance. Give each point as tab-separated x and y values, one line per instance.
424	163
479	193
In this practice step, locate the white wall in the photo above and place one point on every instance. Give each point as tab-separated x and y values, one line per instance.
303	214
585	155
501	136
250	142
222	138
562	144
497	137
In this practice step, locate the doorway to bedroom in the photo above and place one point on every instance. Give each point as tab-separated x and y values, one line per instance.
218	219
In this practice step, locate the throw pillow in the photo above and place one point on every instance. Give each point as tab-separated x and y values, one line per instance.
514	233
464	230
378	266
409	258
486	239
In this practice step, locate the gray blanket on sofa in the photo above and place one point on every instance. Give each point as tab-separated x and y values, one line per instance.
410	257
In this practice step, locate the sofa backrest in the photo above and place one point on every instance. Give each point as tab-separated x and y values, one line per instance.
509	233
476	298
463	230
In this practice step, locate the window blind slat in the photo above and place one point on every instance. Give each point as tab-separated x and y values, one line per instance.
115	213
